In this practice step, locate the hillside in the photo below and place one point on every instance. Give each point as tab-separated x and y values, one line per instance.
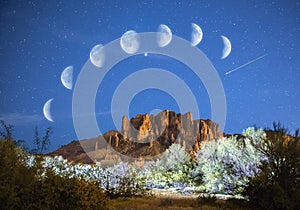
143	136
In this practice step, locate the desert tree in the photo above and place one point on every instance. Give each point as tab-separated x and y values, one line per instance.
277	186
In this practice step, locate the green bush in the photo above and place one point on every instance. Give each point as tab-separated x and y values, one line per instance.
277	186
24	187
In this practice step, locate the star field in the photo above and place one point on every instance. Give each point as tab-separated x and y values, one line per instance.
38	39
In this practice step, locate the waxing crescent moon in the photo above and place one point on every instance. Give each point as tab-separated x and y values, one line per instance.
164	35
130	42
46	110
227	47
97	55
67	77
196	35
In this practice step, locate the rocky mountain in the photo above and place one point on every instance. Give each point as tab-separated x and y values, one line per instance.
143	136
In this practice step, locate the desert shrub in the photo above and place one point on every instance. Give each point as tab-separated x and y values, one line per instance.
277	186
14	175
225	165
123	180
26	184
172	169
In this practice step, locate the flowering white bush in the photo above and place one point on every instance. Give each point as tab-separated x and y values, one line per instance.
171	170
225	165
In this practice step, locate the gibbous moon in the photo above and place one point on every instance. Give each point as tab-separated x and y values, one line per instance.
97	55
46	110
196	35
130	42
67	77
227	47
164	35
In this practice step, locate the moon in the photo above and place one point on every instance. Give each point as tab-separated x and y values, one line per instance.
130	42
196	35
97	55
227	47
46	110
67	77
164	35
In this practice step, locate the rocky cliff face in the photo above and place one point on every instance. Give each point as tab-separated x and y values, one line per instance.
145	136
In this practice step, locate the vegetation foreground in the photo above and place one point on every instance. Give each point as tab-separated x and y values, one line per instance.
260	170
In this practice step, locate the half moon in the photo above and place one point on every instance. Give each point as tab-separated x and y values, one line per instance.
164	35
227	47
67	77
46	110
196	35
97	55
130	42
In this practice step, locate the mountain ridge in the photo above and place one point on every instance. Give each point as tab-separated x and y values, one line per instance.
143	136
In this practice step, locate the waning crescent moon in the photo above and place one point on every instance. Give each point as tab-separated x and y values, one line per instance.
67	77
164	35
46	110
227	47
196	35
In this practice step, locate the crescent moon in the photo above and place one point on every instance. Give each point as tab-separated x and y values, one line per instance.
196	35
46	110
130	42
164	35
227	47
67	77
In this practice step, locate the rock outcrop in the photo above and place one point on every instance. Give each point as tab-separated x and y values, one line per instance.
145	136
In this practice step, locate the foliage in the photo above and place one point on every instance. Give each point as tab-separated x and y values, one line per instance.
123	180
225	165
171	170
35	187
277	186
41	143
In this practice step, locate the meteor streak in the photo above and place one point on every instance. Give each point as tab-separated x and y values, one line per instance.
246	64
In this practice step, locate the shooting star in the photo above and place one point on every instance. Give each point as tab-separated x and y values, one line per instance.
246	64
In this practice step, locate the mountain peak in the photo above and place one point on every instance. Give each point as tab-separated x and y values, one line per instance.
144	136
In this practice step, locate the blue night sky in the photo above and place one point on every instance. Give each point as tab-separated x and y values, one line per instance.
39	39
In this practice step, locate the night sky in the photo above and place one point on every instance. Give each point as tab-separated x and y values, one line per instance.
39	39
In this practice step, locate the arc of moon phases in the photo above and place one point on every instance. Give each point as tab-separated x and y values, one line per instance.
196	35
227	47
130	42
67	77
46	110
164	35
97	55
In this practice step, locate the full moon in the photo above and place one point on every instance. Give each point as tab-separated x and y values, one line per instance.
46	110
164	35
227	47
130	42
67	77
196	35
97	55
